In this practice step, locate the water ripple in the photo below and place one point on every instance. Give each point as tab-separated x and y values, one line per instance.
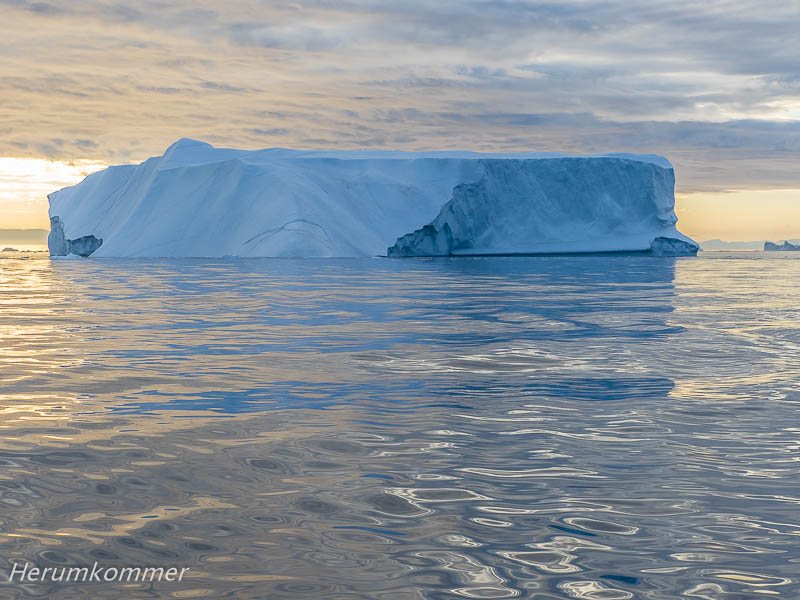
599	428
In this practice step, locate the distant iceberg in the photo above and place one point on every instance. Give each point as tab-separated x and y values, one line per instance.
786	246
201	201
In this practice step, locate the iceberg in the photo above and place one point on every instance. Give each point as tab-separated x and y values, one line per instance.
199	201
787	246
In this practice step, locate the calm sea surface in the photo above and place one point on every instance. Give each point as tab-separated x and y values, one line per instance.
600	428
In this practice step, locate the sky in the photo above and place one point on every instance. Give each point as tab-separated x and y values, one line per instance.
714	85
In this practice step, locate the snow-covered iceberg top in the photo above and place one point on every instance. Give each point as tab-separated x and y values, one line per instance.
197	200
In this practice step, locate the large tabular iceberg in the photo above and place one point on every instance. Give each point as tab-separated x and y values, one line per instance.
197	200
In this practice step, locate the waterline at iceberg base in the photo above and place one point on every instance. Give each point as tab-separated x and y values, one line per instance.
201	201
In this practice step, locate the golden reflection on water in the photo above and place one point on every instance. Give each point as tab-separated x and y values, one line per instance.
495	428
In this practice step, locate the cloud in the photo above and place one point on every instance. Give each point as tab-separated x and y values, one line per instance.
270	132
714	85
45	8
221	87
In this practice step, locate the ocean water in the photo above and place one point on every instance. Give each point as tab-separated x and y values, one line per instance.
600	428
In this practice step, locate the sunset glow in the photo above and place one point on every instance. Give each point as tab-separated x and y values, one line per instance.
25	183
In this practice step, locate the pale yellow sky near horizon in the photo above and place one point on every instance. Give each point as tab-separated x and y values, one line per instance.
25	183
738	215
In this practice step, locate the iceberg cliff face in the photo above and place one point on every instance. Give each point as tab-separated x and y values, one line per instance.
554	205
197	200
